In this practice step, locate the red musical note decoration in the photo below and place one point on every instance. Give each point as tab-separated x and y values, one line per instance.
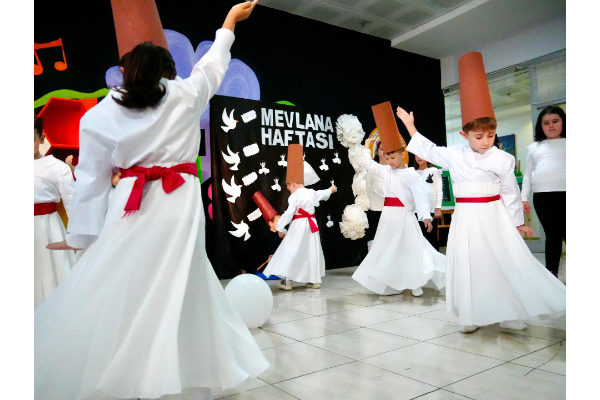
59	65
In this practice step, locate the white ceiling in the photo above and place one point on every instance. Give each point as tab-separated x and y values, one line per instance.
433	28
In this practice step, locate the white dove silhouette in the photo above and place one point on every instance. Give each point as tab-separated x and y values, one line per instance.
241	229
282	163
337	160
329	221
276	185
234	190
229	121
264	169
232	158
323	167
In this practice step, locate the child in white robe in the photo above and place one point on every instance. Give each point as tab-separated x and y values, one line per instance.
52	180
400	257
143	314
299	257
491	275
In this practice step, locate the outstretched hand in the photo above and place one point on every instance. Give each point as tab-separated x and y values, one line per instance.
368	143
405	117
60	246
333	189
238	13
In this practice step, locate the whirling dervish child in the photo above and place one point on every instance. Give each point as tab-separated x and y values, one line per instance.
400	257
52	180
491	274
300	256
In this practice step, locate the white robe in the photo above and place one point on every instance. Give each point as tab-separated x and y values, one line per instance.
491	275
142	314
52	179
299	257
400	257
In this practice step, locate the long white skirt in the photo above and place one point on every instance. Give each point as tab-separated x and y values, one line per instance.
50	267
492	276
299	257
142	314
400	257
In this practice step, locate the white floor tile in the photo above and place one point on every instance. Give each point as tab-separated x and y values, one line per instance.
264	393
355	381
309	328
361	343
412	305
321	307
551	359
266	339
435	365
297	359
365	316
280	314
511	381
417	328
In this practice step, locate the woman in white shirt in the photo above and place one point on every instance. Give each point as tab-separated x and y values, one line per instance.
375	194
142	314
546	176
432	177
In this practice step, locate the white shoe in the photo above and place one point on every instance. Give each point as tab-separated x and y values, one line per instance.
288	285
313	285
514	325
468	328
418	292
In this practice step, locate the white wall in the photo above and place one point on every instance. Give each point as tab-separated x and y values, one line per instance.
524	46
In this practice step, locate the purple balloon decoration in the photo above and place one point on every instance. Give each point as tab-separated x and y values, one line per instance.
182	52
113	77
202	49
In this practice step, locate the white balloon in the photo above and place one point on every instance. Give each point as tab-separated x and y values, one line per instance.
252	299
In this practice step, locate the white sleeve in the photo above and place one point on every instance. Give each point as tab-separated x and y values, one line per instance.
93	184
208	73
427	150
529	166
421	197
373	167
439	193
323	195
65	187
287	216
509	190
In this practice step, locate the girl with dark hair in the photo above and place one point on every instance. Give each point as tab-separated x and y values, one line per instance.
432	178
52	181
142	314
375	194
546	176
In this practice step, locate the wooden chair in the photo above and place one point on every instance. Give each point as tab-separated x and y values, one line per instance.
444	223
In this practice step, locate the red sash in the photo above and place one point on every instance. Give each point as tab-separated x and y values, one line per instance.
44	208
303	214
477	199
392	202
171	180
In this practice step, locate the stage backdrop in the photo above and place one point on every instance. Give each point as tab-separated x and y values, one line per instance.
249	152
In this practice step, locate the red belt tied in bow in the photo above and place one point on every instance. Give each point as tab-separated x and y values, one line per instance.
303	214
392	202
44	208
477	199
171	180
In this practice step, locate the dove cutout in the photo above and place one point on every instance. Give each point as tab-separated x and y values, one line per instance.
232	158
229	122
323	167
232	190
264	169
242	229
329	221
276	185
337	160
282	163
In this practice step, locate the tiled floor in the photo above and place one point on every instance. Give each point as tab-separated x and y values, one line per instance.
344	342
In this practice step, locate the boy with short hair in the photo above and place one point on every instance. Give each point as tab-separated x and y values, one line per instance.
491	275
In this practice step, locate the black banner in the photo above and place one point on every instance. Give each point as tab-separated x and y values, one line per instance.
249	152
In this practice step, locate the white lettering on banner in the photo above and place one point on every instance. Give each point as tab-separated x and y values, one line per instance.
288	136
319	123
267	117
277	138
309	123
279	118
310	142
265	134
322	139
300	135
289	119
331	142
298	124
328	126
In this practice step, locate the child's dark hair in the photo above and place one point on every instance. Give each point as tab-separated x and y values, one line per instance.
484	124
539	131
141	80
416	164
38	125
169	70
399	151
376	148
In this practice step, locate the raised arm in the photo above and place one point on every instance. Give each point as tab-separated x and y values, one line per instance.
370	165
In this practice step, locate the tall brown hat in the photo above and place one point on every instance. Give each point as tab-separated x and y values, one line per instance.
137	22
387	128
295	164
267	210
475	99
